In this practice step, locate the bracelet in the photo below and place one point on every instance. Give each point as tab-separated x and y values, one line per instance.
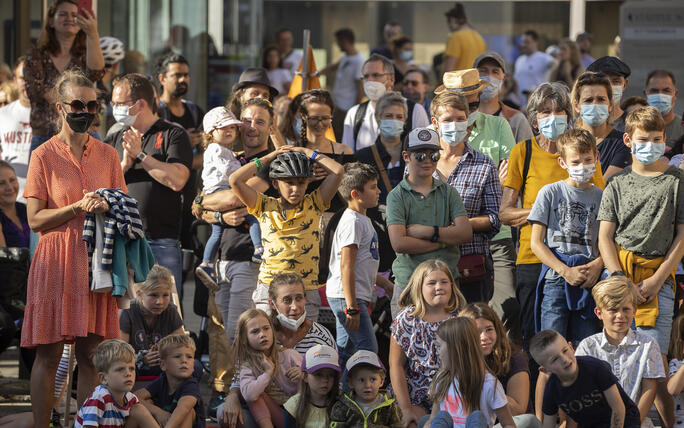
218	216
313	156
73	211
257	162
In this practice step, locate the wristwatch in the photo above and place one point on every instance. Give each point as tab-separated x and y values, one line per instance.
618	273
351	311
141	156
435	235
198	200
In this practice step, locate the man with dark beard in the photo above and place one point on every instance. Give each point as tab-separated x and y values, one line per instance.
174	76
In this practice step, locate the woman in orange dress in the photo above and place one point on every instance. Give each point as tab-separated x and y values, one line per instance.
62	177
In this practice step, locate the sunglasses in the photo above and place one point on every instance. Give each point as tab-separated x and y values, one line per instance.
78	106
423	156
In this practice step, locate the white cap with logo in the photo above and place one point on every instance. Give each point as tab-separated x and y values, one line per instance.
421	139
217	118
320	357
364	357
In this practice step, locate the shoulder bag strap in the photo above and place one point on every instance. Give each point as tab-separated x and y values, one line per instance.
358	121
381	168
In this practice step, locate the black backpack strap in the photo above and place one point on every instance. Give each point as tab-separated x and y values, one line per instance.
526	166
163	110
408	125
194	111
358	120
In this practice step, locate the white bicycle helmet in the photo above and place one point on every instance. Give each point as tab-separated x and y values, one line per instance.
112	50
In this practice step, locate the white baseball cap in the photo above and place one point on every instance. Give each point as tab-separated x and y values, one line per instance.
364	357
320	357
423	138
217	118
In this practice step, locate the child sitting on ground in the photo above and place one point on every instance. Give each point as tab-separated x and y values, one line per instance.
565	239
365	404
174	399
583	387
318	389
150	317
633	356
289	223
269	375
221	132
112	404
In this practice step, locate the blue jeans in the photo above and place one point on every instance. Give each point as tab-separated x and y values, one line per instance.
212	245
526	277
444	420
348	342
663	324
555	314
167	253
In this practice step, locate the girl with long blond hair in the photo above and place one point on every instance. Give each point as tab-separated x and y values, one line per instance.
269	375
464	392
430	297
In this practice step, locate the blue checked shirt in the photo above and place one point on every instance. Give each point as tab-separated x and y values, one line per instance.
477	180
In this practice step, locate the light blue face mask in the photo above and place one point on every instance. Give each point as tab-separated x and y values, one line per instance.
122	116
406	55
594	114
390	128
453	133
648	152
662	102
492	90
552	126
297	127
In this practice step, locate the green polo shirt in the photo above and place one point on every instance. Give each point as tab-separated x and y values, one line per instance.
492	136
439	208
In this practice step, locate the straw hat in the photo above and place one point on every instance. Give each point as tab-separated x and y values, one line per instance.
462	82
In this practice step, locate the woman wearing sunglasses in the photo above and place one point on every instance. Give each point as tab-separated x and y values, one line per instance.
60	308
69	40
476	178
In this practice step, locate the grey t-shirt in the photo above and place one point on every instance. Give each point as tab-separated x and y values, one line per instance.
674	130
354	229
569	214
646	210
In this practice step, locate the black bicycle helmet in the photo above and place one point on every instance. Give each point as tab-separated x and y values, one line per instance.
291	165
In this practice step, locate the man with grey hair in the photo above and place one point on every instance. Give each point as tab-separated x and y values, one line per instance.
360	127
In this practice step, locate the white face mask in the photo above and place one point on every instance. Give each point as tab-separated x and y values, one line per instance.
617	94
122	116
491	91
453	133
289	323
374	90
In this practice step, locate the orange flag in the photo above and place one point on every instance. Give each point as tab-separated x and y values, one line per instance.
311	83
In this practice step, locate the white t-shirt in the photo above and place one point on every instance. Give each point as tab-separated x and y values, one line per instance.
368	132
348	73
219	163
15	140
280	78
292	60
532	70
354	229
492	398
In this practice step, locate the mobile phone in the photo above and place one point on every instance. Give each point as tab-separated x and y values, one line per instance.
85	5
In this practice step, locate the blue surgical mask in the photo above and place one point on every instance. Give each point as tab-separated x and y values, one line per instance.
552	126
121	115
390	128
594	114
662	102
406	55
492	90
453	133
297	127
648	152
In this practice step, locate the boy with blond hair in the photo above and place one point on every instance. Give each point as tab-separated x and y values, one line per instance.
641	234
174	399
634	356
112	404
565	239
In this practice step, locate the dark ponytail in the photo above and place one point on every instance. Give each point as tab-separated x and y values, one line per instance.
303	141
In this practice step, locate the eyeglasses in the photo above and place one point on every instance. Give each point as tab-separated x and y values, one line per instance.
123	103
423	156
78	106
374	76
319	119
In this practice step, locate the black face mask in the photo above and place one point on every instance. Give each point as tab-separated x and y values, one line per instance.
80	122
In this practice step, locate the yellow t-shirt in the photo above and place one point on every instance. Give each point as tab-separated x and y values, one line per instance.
317	417
465	45
290	237
544	169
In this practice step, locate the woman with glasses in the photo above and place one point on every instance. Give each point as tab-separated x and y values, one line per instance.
476	178
69	40
60	308
592	98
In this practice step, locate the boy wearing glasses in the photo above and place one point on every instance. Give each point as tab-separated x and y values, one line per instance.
425	216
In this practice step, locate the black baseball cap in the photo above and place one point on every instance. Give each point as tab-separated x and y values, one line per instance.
611	65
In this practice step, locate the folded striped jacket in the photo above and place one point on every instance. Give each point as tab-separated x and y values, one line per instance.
123	217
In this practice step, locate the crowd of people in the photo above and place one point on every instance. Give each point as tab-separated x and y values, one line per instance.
522	230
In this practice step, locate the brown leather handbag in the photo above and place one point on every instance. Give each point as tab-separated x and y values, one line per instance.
471	268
